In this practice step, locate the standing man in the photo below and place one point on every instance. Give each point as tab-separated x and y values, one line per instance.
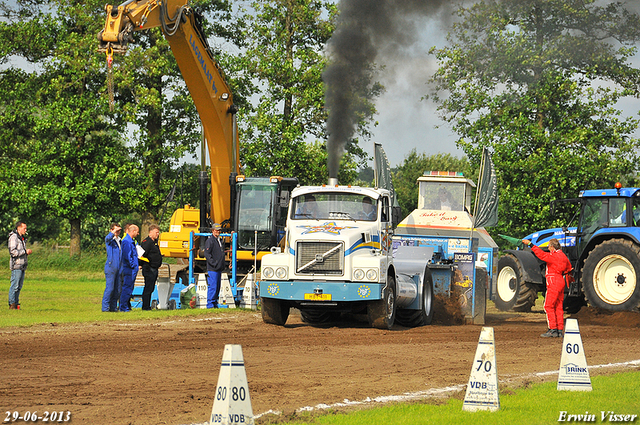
129	266
214	254
18	263
557	266
150	267
112	269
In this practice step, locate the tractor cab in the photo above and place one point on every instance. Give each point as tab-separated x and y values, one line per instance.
606	213
444	191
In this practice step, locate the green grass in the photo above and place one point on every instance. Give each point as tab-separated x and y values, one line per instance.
59	289
539	404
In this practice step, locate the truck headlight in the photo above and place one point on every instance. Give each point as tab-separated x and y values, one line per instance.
372	274
358	274
267	272
281	272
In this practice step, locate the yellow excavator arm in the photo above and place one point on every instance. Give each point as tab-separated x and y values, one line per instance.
202	74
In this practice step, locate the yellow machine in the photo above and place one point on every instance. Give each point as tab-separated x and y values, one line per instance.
253	207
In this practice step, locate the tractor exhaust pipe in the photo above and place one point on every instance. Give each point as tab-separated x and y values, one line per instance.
333	181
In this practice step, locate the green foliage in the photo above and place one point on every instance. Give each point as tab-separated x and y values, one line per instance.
405	176
279	75
61	156
538	82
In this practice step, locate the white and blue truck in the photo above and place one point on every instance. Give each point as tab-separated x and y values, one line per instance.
340	254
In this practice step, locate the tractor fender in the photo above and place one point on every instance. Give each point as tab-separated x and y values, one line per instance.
606	234
532	272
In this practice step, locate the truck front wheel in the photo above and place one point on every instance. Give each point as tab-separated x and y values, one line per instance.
610	275
382	313
274	312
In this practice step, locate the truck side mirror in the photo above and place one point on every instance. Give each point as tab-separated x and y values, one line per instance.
396	214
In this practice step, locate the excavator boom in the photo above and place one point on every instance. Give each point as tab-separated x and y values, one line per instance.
202	74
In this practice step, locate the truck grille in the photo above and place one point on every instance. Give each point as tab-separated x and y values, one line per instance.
320	258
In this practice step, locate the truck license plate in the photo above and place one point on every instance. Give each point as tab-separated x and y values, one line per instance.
317	297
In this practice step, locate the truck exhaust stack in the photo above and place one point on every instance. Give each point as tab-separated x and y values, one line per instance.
333	181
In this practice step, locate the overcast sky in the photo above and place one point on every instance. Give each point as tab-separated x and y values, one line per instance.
404	120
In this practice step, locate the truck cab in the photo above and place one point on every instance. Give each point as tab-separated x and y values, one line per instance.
338	257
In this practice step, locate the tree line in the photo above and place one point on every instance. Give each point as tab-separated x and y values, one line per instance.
536	81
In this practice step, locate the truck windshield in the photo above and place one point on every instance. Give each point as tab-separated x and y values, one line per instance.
334	206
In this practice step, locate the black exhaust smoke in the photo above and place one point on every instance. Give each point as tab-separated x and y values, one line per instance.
367	30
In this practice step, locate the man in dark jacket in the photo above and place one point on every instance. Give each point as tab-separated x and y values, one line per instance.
18	264
214	254
150	267
112	269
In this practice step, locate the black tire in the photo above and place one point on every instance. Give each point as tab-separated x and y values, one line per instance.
316	317
572	305
510	278
610	275
526	298
382	313
154	304
424	316
274	312
183	276
172	304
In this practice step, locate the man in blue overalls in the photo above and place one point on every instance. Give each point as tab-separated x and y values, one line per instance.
112	269
129	266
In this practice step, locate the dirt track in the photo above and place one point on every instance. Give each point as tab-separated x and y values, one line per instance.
165	372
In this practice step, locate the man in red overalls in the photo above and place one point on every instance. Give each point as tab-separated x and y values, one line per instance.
557	266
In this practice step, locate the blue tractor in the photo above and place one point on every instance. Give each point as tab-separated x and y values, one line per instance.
603	245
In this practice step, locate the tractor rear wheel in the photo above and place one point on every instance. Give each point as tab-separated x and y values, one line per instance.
274	312
610	275
382	313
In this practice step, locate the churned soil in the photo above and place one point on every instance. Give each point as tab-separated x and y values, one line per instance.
165	371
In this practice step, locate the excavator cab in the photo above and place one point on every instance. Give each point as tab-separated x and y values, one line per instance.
260	214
